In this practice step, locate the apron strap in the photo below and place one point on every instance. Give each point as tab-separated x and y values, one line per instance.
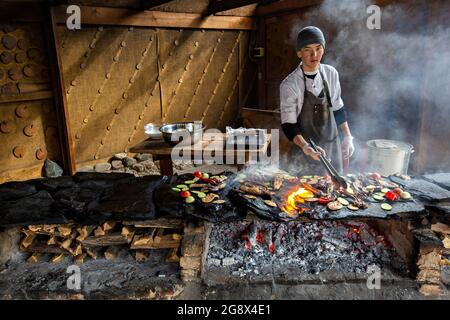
325	89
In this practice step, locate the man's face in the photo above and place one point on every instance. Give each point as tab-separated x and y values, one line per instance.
311	56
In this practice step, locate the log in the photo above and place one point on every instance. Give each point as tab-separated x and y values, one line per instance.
65	231
141	255
58	258
109	225
112	252
157	223
52	240
79	259
127	233
106	240
430	260
84	232
33	87
192	245
446	242
429	276
34	257
99	232
44	248
172	256
77	250
66	244
92	252
28	240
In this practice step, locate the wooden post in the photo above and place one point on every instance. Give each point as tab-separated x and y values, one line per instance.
62	112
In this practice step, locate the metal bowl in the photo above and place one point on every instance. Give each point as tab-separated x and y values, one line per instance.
182	133
152	130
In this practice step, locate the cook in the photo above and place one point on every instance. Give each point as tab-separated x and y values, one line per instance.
311	107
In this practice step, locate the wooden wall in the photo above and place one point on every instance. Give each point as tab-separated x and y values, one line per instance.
28	126
118	78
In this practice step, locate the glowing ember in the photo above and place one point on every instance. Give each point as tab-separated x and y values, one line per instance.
297	196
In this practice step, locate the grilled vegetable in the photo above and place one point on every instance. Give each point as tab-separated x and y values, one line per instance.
254	189
249	196
391	196
398	191
343	201
201	194
198	174
324	201
312	199
190	199
176	189
219	201
352	207
270	203
386	206
182	186
209	198
334	205
185	194
198	185
405	195
189	181
376	176
378	197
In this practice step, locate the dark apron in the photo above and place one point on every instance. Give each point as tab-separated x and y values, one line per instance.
316	121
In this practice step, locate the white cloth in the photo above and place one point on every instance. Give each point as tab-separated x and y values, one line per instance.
292	89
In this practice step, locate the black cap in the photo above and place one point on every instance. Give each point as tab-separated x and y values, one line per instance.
310	35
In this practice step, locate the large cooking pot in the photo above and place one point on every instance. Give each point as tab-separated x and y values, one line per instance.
388	156
182	133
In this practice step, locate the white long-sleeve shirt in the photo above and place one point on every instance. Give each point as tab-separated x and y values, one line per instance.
293	86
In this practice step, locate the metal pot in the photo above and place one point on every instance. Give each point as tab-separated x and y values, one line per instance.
182	133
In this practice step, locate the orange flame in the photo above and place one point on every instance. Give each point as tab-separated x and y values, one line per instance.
297	196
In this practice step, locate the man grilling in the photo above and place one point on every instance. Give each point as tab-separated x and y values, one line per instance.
312	108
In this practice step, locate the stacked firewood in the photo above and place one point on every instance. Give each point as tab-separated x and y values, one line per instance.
432	256
108	239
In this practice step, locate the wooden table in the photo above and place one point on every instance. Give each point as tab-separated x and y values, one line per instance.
162	151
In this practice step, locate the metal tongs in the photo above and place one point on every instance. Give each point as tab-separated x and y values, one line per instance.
331	170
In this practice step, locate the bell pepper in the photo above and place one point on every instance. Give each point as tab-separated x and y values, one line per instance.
391	195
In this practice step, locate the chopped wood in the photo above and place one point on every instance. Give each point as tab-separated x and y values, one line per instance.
99	232
445	262
28	240
112	252
430	290
35	228
34	257
441	228
92	252
52	240
65	230
109	225
141	241
77	250
176	236
190	228
57	258
190	262
172	223
43	247
159	235
128	233
84	232
430	260
80	258
142	255
66	244
106	240
189	274
172	256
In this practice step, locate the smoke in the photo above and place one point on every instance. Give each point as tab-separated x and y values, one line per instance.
389	76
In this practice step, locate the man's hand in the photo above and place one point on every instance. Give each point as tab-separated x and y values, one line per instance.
347	147
309	151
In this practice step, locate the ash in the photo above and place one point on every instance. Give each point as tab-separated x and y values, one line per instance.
261	248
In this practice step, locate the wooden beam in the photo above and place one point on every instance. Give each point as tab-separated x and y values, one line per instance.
62	111
283	6
148	4
216	6
32	96
129	17
21	12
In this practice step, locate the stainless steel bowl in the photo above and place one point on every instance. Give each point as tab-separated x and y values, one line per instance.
182	133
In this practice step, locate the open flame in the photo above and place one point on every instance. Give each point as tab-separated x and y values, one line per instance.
297	196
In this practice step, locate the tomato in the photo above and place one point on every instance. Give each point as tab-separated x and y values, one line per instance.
376	176
185	194
398	191
390	195
324	201
198	174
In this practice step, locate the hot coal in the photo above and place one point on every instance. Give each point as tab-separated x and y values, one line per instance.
249	248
